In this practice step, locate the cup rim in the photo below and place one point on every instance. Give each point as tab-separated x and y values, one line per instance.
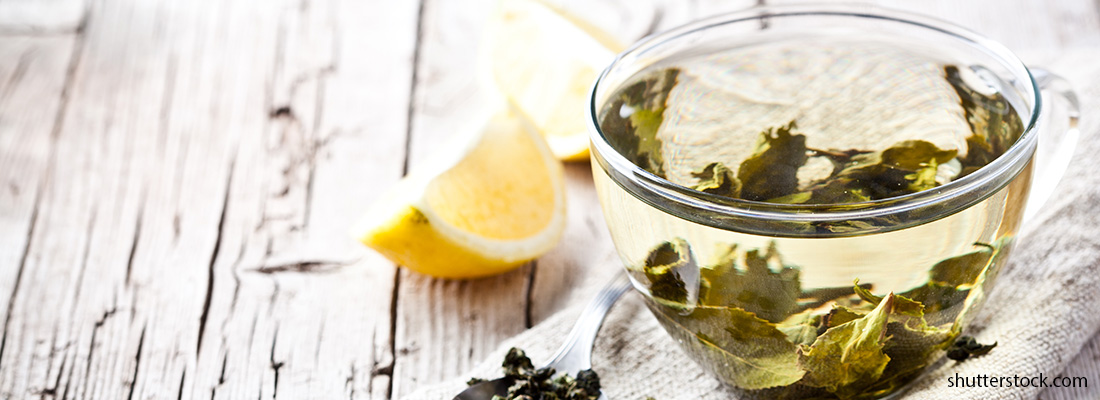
724	213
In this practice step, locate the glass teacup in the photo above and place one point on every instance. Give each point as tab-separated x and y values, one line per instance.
815	200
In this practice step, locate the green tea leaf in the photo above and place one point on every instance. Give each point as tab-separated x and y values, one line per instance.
915	154
793	198
801	328
849	358
994	124
772	170
840	315
966	346
672	272
716	178
762	286
902	305
962	270
631	121
735	345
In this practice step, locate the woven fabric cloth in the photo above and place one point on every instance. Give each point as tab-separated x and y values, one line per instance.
1044	312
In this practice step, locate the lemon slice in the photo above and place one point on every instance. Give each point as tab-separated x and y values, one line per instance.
486	204
546	61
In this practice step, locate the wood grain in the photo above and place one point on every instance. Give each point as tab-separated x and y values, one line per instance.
177	249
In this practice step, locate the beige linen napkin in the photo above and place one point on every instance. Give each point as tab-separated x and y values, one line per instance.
1044	311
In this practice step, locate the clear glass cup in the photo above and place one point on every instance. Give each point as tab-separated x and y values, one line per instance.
849	300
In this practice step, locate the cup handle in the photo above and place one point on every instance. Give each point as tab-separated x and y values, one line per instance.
1055	148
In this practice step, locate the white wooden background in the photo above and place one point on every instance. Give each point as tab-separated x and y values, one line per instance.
177	178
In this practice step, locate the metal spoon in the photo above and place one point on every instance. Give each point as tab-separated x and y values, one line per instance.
573	356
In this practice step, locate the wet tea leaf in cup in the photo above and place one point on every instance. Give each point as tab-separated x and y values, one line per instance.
753	353
849	358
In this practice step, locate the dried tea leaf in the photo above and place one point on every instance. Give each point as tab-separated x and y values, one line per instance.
763	285
672	272
966	347
772	170
736	345
716	178
529	383
849	358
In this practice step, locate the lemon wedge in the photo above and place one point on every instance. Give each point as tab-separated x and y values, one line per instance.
485	204
546	61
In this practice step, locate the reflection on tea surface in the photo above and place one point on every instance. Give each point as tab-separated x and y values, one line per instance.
843	317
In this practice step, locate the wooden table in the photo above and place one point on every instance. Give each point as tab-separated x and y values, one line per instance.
177	179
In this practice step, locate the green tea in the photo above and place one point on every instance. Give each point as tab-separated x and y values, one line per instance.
784	316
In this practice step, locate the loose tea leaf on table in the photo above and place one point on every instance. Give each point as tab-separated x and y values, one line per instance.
966	347
530	383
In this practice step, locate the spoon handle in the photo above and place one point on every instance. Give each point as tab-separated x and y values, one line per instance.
576	354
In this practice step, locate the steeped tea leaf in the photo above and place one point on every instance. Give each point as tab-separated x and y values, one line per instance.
672	273
902	305
915	154
801	328
994	124
631	121
962	270
849	358
716	178
736	345
762	285
840	315
772	170
911	346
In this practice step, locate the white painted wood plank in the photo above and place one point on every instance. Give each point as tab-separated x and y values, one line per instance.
32	75
192	234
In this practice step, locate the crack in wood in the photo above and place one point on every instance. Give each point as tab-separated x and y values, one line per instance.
529	298
166	105
349	383
236	281
52	391
91	355
55	133
183	379
409	117
214	257
417	48
301	266
68	380
137	365
136	239
106	314
19	275
275	365
221	376
393	331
